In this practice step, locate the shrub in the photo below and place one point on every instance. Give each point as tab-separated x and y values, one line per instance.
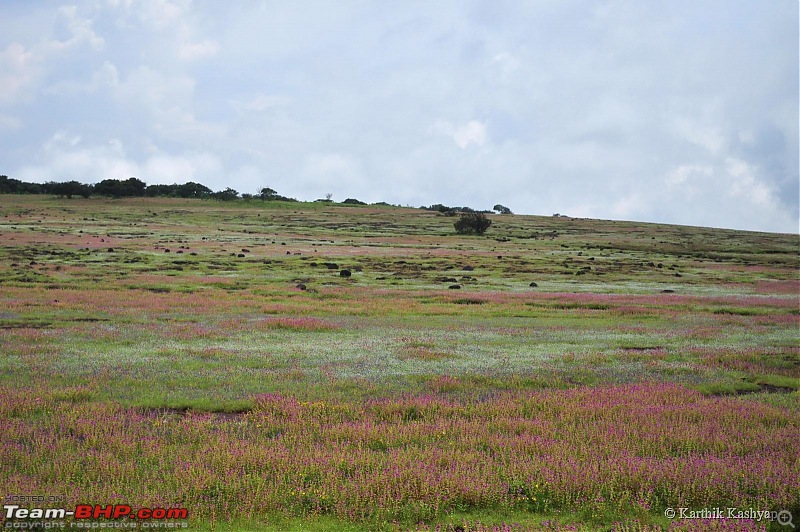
472	223
225	195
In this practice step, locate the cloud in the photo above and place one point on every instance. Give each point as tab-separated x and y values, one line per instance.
707	136
80	30
506	64
465	135
197	50
153	14
20	69
9	123
199	167
689	179
23	68
260	103
66	156
329	172
746	184
169	21
106	77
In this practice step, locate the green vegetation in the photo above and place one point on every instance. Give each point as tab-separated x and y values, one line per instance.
472	223
197	340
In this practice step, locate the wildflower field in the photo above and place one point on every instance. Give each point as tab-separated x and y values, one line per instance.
554	373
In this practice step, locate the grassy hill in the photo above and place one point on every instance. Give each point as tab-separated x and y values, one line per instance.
553	373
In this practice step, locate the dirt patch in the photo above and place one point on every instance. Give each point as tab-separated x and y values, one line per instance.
769	388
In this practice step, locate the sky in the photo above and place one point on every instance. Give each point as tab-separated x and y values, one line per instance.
680	112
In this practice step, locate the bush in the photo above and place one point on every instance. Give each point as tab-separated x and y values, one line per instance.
120	189
472	223
225	195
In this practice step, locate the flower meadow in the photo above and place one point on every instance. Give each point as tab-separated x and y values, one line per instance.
593	450
555	374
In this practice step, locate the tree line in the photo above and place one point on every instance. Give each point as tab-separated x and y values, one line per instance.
470	221
129	188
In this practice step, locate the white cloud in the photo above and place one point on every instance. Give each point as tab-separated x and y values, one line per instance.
260	103
197	50
171	22
628	207
507	65
23	69
327	172
65	156
746	184
106	77
20	69
155	14
470	133
689	179
165	102
701	134
199	167
9	123
81	30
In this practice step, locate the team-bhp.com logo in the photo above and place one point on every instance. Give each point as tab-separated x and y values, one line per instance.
123	513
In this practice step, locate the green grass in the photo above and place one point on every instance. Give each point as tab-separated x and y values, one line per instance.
728	388
778	381
201	329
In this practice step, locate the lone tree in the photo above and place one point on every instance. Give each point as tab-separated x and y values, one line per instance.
472	223
502	209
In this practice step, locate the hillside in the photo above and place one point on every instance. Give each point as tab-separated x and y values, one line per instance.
221	332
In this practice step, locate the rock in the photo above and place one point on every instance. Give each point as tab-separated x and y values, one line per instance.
345	273
668	291
454	287
301	286
533	285
468	268
240	255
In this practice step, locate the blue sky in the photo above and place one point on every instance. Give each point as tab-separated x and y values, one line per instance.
680	112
